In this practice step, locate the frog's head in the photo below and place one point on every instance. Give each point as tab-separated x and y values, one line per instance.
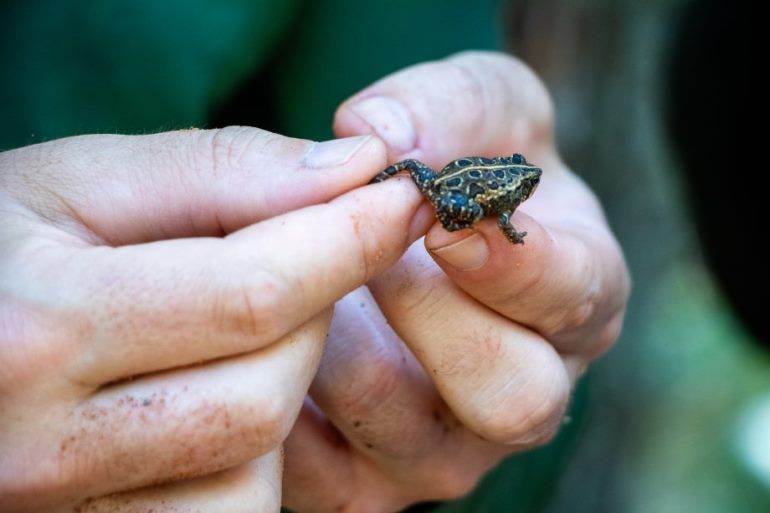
456	211
530	178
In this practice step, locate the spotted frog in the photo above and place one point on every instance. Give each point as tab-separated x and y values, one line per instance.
471	188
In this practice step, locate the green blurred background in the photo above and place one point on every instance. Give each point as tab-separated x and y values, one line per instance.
672	419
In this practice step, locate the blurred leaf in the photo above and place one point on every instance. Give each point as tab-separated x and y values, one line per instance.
129	66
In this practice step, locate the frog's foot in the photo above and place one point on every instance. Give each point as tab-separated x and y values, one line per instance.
504	222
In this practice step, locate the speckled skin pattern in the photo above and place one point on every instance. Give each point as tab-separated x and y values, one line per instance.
471	188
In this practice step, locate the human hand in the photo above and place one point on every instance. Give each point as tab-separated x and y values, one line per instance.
163	305
488	338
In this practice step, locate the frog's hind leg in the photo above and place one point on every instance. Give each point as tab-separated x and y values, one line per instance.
388	172
421	174
504	222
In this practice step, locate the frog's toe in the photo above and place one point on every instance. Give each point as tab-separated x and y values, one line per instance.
514	236
518	237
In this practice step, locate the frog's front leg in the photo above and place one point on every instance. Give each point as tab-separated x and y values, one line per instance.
504	222
421	174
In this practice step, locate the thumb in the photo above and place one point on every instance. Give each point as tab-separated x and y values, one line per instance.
129	189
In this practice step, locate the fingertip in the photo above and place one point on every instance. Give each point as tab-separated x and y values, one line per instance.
485	252
399	200
383	115
347	123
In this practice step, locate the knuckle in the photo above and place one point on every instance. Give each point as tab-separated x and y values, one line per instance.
569	320
37	340
225	149
365	253
528	410
253	309
267	421
371	249
417	300
217	434
375	383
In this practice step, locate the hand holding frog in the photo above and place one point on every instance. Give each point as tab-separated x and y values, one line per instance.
488	337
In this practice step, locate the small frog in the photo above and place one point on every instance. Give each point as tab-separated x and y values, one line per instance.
472	188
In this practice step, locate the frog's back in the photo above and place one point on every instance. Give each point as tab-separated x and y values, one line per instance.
492	183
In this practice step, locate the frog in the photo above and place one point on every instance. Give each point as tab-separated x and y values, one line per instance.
469	189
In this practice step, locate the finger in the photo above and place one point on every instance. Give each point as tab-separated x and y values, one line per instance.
502	380
323	474
456	107
128	189
377	396
370	382
171	303
567	283
248	488
185	423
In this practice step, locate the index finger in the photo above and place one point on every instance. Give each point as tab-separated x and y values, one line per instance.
170	303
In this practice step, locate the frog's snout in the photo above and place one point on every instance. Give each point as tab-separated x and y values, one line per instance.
530	182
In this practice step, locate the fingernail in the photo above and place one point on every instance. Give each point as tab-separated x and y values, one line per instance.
422	220
390	120
333	153
467	254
